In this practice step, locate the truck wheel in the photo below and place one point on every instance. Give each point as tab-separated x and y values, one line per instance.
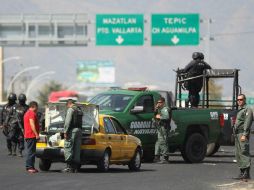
103	164
135	162
44	164
195	148
212	148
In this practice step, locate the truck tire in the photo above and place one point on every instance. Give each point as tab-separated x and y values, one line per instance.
212	148
44	164
135	163
194	150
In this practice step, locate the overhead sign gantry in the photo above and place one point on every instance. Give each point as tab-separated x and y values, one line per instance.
43	30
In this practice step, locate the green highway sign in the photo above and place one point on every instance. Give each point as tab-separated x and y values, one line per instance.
250	101
119	29
175	29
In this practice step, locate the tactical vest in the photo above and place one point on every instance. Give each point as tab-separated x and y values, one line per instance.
77	117
21	110
9	114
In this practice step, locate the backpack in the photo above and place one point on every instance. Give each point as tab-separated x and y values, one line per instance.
77	117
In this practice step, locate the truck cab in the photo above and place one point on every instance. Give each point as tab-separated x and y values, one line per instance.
134	108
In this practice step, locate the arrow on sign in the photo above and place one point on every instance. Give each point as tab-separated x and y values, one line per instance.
119	39
175	39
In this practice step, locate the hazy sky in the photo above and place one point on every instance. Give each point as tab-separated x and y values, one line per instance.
232	28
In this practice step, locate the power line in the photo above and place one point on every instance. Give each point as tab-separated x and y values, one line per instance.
232	33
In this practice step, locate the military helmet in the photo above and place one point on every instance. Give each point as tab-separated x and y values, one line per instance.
22	98
201	56
195	55
12	97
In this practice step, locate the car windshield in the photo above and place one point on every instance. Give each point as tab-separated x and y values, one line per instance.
112	102
55	116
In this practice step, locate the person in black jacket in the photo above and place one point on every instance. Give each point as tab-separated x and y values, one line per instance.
9	124
22	107
195	68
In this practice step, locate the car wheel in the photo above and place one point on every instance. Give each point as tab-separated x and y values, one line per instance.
44	164
103	164
195	147
212	148
135	162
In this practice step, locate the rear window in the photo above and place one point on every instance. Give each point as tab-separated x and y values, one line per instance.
56	112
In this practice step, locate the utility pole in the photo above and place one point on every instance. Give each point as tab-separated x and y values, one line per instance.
1	75
207	38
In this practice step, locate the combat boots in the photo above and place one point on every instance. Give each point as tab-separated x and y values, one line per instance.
14	148
9	152
20	153
156	159
246	174
69	169
240	176
164	160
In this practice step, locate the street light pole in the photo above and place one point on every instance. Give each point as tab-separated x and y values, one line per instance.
29	88
18	74
207	38
2	61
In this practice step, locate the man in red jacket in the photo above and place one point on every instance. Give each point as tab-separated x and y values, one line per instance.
31	135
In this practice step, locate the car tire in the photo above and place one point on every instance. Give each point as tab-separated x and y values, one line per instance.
103	164
212	148
44	164
135	163
194	150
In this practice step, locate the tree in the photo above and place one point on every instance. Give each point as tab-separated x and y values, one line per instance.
47	89
215	92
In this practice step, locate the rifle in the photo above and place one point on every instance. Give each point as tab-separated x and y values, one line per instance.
19	123
5	130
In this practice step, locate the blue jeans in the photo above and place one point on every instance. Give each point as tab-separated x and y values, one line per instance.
31	149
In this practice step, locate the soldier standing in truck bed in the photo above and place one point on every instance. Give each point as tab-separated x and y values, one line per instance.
195	68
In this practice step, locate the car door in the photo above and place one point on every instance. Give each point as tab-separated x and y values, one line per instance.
113	139
127	147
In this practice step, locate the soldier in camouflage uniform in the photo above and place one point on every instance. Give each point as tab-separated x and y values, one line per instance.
9	124
73	136
21	109
242	134
161	121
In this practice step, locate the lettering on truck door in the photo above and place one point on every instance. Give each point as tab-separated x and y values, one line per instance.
142	124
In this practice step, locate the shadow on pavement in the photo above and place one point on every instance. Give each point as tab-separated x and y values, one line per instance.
95	170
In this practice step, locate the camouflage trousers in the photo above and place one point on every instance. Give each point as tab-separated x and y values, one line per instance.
72	146
242	152
161	148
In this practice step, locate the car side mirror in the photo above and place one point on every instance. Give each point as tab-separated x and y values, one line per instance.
137	109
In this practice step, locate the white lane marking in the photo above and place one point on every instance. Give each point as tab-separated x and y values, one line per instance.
228	184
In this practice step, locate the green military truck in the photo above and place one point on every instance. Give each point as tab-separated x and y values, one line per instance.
192	129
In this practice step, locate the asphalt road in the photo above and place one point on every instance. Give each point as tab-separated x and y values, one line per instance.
214	173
